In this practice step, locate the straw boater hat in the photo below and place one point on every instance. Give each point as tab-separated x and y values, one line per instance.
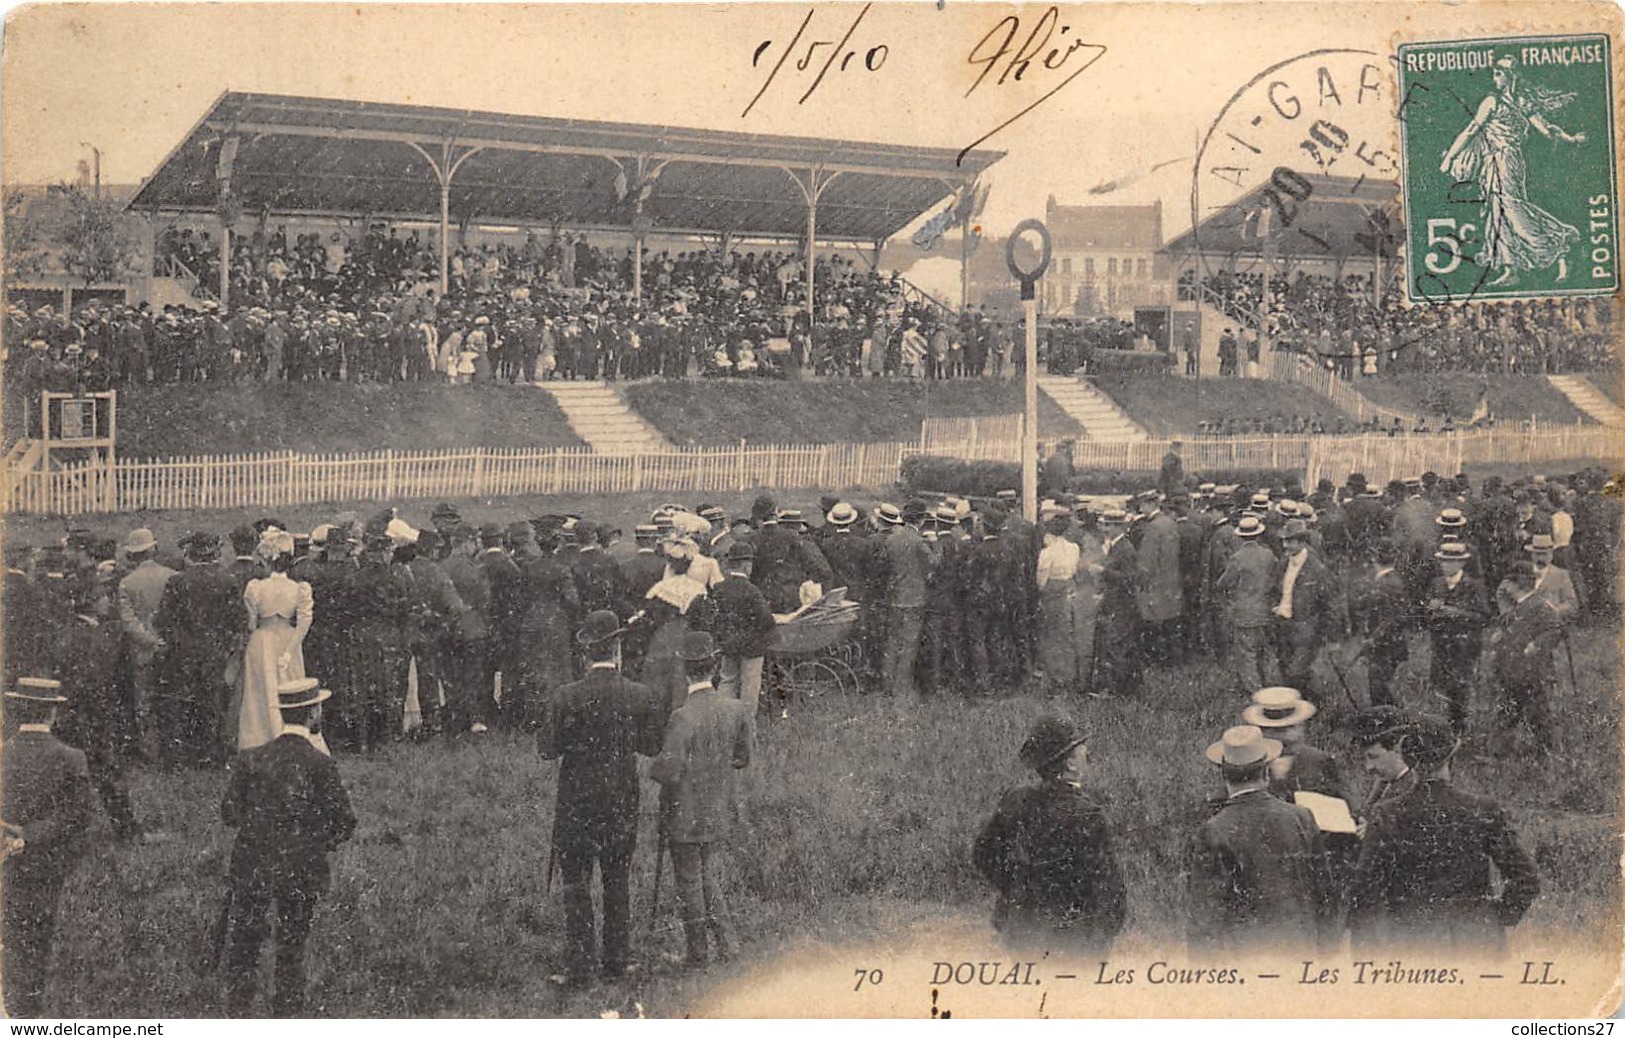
1452	551
1278	707
843	514
889	514
38	690
1243	745
1114	517
290	695
1540	542
1249	527
1451	519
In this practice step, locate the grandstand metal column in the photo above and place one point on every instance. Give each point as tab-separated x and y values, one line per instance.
444	169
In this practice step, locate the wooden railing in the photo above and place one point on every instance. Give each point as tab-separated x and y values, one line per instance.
287	478
1284	366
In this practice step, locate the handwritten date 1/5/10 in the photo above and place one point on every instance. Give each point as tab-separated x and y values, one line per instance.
1043	52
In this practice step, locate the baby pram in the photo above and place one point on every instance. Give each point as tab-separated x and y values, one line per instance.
808	655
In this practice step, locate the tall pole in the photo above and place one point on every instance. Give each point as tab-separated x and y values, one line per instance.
812	231
964	263
225	265
445	233
1029	418
1196	274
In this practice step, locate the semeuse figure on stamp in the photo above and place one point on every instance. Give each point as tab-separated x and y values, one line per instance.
1489	153
1048	852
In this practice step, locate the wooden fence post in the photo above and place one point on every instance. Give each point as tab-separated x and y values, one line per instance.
479	472
389	474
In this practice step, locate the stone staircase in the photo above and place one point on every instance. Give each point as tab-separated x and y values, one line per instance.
599	415
1588	398
1101	418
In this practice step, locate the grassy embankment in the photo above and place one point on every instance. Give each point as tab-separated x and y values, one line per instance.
1170	405
861	812
722	412
1512	398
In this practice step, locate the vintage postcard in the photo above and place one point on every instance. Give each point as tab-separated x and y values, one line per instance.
889	510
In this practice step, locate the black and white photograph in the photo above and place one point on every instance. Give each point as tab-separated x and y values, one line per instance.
887	510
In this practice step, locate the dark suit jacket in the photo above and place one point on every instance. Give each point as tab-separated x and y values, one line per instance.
1310	769
599	581
1048	853
47	796
1457	616
1120	585
1424	870
783	561
201	617
1258	876
596	727
743	622
289	808
851	559
708	739
1312	595
505	607
639	573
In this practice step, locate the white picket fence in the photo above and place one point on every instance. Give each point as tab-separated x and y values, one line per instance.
287	478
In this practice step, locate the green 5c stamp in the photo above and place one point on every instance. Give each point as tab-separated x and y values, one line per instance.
1509	183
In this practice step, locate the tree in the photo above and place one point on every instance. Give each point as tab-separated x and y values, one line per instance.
25	240
96	243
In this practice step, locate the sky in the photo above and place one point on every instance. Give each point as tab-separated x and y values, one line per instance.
132	79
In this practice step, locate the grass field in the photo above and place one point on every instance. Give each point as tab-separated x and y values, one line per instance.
1169	405
723	412
1609	384
860	814
1511	397
165	421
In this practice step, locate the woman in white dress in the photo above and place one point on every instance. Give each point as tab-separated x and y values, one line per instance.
279	614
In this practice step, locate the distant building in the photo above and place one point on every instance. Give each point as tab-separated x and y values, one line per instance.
1103	259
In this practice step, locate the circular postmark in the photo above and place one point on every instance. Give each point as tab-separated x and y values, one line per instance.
1298	174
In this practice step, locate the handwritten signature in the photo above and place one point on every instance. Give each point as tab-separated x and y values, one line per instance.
1046	50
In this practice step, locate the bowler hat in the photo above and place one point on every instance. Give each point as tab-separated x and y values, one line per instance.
600	626
1051	738
914	512
201	546
291	695
740	551
1429	744
1540	542
491	533
697	646
140	540
1376	723
1278	707
1294	529
1243	745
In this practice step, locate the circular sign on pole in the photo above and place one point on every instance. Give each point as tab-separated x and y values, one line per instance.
1028	278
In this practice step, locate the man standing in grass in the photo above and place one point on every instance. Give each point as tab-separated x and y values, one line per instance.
596	727
1424	874
1258	869
708	739
46	795
289	808
1048	852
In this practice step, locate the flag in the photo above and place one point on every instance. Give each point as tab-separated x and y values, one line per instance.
964	203
1482	411
926	237
620	185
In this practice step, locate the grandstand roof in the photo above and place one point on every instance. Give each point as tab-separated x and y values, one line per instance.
326	156
1343	218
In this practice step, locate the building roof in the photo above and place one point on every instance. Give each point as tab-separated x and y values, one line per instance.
1343	218
308	155
1128	227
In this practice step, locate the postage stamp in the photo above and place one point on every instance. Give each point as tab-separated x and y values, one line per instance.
1510	184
